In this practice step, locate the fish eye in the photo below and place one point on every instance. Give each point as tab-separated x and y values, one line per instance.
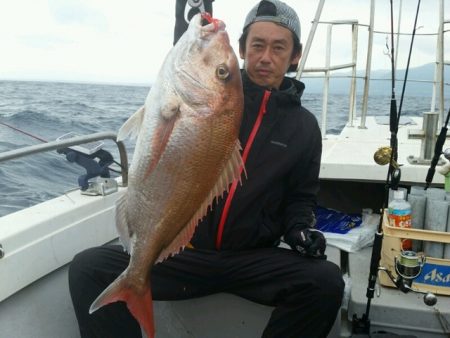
222	72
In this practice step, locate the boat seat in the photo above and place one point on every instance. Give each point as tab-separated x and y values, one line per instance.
221	315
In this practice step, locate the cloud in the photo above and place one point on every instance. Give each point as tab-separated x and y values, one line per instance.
98	41
118	41
75	12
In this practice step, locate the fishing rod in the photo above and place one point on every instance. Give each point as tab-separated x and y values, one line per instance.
393	116
185	10
394	170
437	152
392	180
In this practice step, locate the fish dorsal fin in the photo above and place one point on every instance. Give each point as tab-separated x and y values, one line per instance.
132	126
231	172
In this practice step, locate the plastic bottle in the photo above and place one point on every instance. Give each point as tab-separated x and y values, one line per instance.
400	215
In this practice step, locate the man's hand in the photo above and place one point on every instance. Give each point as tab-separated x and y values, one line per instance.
309	242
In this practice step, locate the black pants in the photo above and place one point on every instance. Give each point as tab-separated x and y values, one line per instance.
306	292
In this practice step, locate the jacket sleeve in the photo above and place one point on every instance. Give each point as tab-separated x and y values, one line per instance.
303	182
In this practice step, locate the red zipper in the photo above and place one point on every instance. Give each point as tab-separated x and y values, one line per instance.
251	138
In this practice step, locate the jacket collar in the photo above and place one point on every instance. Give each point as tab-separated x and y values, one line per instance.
290	90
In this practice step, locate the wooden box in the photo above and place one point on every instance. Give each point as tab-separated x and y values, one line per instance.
435	275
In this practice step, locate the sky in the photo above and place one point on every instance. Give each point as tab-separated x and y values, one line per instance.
112	41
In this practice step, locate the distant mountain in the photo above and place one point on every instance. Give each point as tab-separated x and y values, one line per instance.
377	86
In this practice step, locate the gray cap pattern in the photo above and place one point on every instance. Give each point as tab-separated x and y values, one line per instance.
283	15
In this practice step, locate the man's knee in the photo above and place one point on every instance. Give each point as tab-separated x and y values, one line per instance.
96	267
330	283
322	283
81	265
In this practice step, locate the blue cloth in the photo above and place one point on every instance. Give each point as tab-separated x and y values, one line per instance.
329	220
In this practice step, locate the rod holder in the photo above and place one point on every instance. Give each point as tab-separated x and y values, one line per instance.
428	136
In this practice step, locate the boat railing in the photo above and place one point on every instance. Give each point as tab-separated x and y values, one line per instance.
329	70
440	64
73	141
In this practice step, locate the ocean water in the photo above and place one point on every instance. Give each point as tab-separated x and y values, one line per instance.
48	110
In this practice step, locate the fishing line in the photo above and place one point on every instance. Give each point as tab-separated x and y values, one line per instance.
408	62
23	132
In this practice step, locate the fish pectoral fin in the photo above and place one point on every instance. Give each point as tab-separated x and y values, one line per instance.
159	141
232	171
139	304
171	109
132	126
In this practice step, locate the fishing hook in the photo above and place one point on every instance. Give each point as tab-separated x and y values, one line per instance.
387	51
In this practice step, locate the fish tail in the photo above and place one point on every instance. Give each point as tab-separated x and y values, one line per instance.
140	304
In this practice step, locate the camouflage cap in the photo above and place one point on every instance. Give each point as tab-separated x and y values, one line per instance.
274	11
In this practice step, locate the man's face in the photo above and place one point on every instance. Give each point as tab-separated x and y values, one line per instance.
268	53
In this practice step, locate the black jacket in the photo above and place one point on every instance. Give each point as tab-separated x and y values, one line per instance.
282	173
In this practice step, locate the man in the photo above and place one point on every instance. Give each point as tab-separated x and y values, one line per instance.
235	247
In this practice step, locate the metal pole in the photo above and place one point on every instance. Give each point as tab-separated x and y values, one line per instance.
312	32
352	99
398	35
435	79
441	61
430	127
326	81
368	66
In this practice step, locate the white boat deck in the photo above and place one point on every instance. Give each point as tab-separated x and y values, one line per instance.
349	156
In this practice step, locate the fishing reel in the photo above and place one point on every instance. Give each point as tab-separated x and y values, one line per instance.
408	267
384	156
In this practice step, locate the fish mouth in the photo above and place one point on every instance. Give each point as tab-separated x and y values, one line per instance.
211	24
211	27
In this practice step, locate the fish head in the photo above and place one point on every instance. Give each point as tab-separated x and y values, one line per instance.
207	74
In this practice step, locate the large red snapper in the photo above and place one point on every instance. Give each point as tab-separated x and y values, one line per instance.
187	154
